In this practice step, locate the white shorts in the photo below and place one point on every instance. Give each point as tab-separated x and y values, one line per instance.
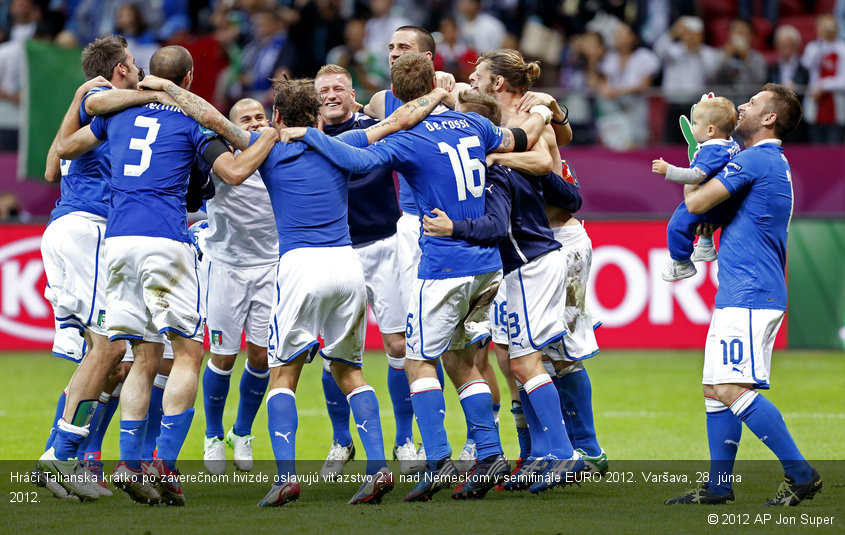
72	250
579	342
498	316
739	346
319	291
408	254
379	259
152	289
129	356
69	344
536	296
238	300
449	314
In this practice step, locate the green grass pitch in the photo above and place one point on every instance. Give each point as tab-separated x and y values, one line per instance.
649	418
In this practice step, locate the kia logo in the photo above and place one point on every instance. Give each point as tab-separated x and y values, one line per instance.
19	290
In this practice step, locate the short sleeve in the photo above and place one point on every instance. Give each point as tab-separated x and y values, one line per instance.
84	117
736	176
99	128
711	159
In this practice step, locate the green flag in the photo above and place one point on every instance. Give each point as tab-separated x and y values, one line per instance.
51	76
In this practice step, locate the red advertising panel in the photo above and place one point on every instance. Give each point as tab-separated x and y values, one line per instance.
636	307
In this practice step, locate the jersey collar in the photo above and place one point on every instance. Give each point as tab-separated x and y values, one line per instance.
771	140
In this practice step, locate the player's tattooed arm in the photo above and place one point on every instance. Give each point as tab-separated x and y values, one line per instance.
524	137
200	111
406	116
537	161
67	145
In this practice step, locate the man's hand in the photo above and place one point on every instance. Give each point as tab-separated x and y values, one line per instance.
154	82
289	135
439	226
444	80
99	81
659	166
535	98
164	99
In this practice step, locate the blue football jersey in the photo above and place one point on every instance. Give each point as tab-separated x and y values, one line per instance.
752	249
443	160
85	180
406	197
309	197
153	148
712	155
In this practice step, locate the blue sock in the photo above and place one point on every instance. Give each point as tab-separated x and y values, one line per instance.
430	411
546	404
131	442
477	402
93	425
67	440
576	394
96	436
60	409
154	414
400	396
724	430
564	409
521	430
364	406
215	389
766	421
338	409
282	421
174	429
253	386
539	447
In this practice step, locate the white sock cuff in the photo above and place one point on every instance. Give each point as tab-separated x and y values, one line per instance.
104	397
359	390
397	363
743	401
217	370
116	392
275	391
425	384
472	388
160	381
70	428
714	405
258	374
327	366
536	382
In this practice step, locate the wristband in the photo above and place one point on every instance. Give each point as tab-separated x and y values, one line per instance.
565	116
543	111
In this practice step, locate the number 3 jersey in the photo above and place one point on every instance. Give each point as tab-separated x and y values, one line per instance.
442	159
152	150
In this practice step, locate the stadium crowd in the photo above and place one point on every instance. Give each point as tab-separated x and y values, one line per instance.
626	69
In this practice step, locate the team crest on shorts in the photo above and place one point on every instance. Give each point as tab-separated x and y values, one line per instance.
101	318
217	338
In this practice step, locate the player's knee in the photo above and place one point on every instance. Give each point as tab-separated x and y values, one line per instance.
227	362
256	356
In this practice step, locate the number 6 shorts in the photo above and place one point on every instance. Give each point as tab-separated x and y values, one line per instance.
739	346
152	289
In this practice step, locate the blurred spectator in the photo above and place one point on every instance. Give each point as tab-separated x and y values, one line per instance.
839	14
380	28
364	66
89	19
10	209
746	10
319	29
689	69
454	55
628	71
824	102
786	68
742	67
22	18
130	23
580	77
270	54
481	31
655	17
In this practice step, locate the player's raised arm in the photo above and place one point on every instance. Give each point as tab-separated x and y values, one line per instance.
560	116
375	108
522	138
104	102
70	141
234	169
200	111
406	116
352	158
